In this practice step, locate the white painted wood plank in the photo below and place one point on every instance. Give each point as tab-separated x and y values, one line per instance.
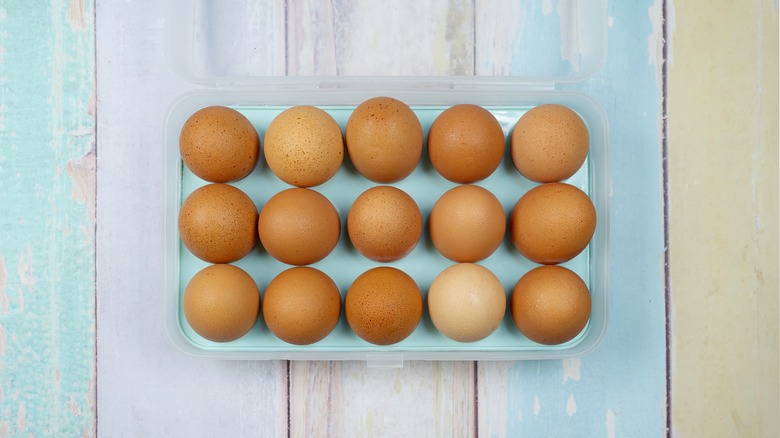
495	27
388	38
353	37
492	397
349	399
146	387
537	40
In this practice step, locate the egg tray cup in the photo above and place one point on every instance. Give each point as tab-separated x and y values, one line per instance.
344	264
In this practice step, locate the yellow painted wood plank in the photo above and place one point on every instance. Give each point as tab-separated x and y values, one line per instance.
723	176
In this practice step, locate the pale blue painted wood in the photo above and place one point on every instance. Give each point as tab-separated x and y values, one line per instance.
619	389
47	193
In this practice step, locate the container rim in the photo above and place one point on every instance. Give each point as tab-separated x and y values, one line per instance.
179	42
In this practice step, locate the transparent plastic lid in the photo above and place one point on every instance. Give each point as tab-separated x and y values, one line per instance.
276	42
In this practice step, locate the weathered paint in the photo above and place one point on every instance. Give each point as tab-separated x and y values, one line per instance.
723	176
626	373
47	198
47	212
542	398
146	387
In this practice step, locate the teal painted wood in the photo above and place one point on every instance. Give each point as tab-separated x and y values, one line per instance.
47	218
619	389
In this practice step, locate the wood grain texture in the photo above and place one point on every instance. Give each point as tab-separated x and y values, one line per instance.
47	217
723	177
146	387
348	399
352	37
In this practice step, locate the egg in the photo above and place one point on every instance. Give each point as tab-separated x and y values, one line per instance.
304	146
299	226
467	223
465	143
383	305
221	303
384	139
219	144
549	143
466	302
384	223
552	223
217	223
301	305
550	305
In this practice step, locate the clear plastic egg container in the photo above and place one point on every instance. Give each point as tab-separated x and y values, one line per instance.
344	264
211	45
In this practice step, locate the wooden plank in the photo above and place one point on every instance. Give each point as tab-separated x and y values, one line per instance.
723	161
47	214
619	389
352	37
389	38
496	30
350	399
539	40
145	386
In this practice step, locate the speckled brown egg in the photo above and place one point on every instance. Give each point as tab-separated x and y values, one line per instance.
467	223
466	302
301	305
299	226
218	223
384	223
384	139
221	303
549	143
219	144
465	143
383	305
552	223
303	146
550	305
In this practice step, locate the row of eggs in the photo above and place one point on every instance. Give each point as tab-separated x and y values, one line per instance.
549	224
466	302
304	145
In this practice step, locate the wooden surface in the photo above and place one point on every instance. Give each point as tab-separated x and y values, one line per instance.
80	254
47	220
724	261
619	389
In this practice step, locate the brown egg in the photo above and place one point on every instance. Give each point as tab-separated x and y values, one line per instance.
221	303
466	302
465	143
467	223
301	305
219	144
299	226
384	224
550	305
217	223
383	305
384	139
304	146
549	143
552	223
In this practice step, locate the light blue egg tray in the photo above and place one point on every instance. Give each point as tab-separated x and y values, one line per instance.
344	264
